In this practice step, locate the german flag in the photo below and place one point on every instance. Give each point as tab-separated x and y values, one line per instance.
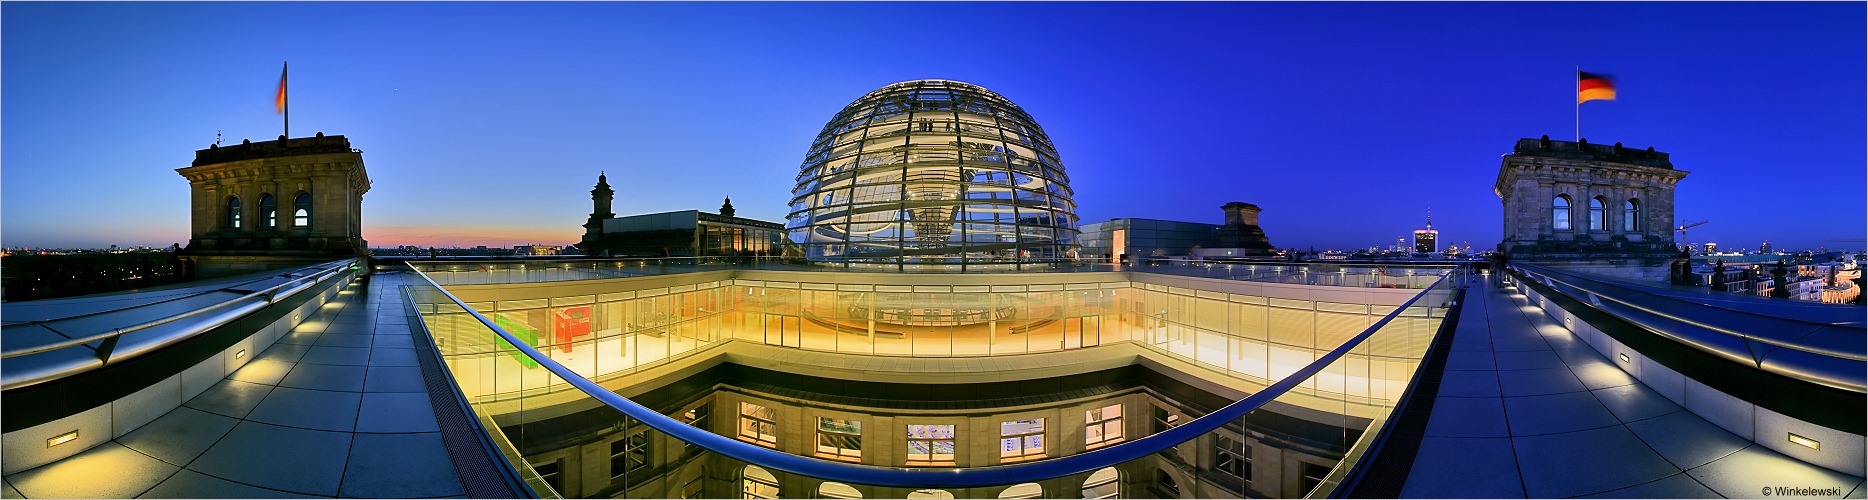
278	100
1593	87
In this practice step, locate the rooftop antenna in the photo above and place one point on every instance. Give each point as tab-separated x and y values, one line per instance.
217	138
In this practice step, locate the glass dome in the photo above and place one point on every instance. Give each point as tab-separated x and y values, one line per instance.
933	172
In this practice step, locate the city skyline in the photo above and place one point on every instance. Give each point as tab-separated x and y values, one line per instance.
486	124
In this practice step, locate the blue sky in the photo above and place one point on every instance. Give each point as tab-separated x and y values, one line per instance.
486	123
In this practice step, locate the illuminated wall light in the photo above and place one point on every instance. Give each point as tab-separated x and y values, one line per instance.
1624	357
1794	438
73	436
240	354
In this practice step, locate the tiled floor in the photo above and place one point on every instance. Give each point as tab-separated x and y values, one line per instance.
1527	410
336	408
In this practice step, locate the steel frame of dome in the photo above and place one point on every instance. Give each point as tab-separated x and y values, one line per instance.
933	172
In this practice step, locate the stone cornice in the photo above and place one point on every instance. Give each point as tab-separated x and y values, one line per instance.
1513	168
286	168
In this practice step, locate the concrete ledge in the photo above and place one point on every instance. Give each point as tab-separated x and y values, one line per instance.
1839	450
27	448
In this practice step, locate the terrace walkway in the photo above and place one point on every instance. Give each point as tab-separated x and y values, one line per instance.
336	408
1526	409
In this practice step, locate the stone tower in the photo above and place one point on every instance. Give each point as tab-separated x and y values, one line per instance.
258	206
1595	208
1241	229
600	198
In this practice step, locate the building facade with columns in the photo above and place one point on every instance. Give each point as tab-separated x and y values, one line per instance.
257	206
1601	208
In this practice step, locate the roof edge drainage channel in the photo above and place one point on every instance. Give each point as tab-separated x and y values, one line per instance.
936	478
27	366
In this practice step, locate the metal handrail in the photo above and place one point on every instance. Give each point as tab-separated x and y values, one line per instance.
1794	367
317	277
1545	273
1290	270
935	478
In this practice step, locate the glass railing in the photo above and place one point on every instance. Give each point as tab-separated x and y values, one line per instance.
624	326
571	436
54	339
482	271
1828	354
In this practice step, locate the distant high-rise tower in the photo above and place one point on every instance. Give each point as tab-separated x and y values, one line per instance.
1765	248
1427	240
1597	208
266	205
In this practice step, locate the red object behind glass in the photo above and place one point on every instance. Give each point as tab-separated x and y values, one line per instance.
572	322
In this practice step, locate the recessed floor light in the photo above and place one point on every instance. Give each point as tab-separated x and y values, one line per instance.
73	436
1805	442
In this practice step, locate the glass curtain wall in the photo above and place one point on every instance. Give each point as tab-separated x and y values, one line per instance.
1254	338
1248	336
932	172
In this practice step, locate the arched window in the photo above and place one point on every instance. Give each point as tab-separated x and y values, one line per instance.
233	212
755	482
696	484
301	210
1101	484
1598	220
1165	483
931	494
832	489
1560	213
1023	490
1631	215
268	212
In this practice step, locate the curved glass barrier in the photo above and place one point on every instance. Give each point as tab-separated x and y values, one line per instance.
53	339
1295	384
1828	354
485	271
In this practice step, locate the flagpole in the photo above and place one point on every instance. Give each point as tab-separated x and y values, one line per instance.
285	92
1579	103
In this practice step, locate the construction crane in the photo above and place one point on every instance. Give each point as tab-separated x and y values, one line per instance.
1683	226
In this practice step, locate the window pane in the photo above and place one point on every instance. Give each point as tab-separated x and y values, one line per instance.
756	424
839	439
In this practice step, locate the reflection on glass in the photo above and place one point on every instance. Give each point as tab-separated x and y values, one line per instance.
1102	426
755	482
758	424
1021	439
1101	484
1023	490
1252	339
930	445
839	439
832	489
